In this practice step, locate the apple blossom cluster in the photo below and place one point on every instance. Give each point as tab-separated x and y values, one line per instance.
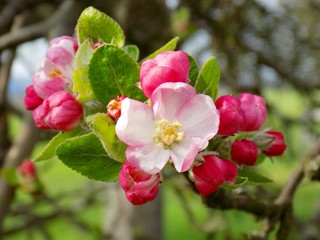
171	122
177	125
52	105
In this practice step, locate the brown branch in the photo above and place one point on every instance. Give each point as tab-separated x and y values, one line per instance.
224	199
64	18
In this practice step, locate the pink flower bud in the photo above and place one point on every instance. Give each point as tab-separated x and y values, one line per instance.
254	108
244	151
56	70
61	52
231	114
114	107
212	173
277	145
31	99
60	111
170	66
48	80
27	170
139	186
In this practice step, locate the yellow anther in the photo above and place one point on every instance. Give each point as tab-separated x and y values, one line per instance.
55	73
168	133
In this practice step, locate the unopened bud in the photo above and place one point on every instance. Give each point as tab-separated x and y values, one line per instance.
244	151
254	108
212	173
114	107
231	114
277	144
31	99
169	66
139	186
60	111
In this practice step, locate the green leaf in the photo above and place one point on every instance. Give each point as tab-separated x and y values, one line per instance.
86	155
194	70
208	80
133	51
240	181
97	26
104	128
171	45
111	72
50	149
253	177
81	84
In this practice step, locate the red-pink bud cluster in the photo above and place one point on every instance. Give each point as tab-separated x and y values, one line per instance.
139	186
53	107
248	112
170	66
212	173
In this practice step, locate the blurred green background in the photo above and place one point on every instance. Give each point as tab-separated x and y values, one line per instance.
270	48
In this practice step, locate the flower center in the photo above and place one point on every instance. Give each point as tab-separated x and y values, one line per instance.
114	105
55	73
168	133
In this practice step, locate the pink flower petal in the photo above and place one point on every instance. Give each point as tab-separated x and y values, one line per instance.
135	126
184	153
199	117
169	98
150	158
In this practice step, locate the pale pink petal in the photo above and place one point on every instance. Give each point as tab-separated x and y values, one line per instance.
169	98
135	126
150	158
199	117
184	153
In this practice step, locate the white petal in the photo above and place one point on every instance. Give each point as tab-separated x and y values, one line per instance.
135	126
169	98
150	158
184	153
199	117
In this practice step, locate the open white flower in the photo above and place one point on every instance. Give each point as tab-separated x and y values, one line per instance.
177	126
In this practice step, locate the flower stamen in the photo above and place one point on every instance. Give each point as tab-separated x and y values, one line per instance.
167	133
55	73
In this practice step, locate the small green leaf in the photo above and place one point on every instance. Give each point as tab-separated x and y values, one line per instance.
80	79
50	149
253	177
104	128
111	72
86	155
171	45
97	26
133	51
194	70
81	85
240	181
208	80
